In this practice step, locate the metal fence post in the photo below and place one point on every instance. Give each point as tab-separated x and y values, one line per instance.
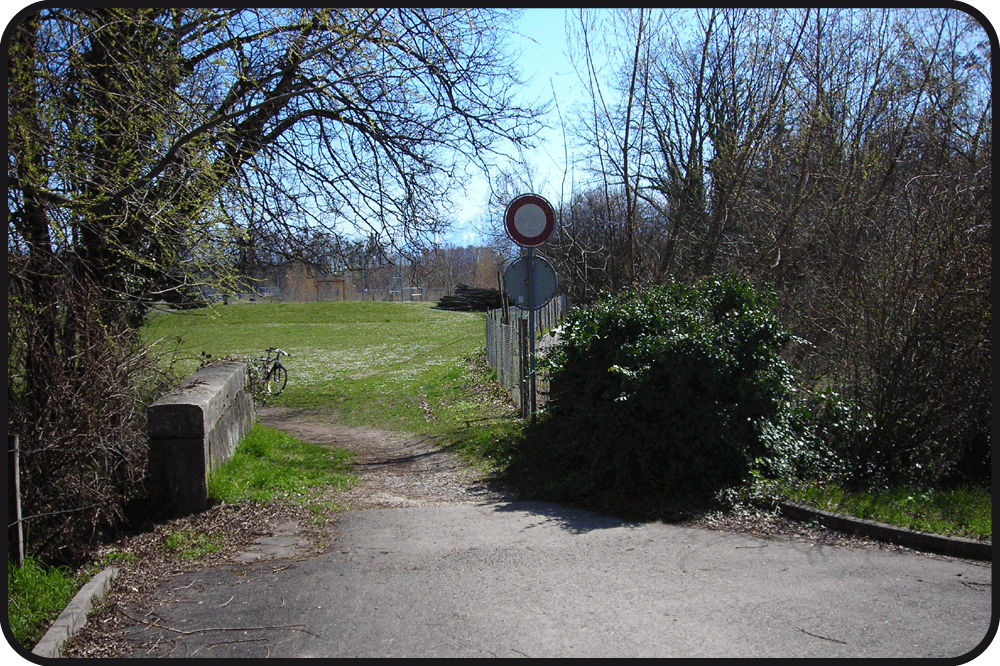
522	355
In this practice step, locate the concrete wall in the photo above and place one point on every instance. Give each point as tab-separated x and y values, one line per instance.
192	431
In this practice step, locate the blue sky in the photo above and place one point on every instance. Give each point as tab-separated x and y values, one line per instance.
545	65
544	59
539	38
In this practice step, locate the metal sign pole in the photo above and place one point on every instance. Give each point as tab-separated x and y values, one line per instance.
529	220
531	333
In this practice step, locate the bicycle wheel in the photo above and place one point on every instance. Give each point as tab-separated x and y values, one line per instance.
276	380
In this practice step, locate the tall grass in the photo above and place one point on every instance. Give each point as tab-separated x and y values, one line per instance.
36	595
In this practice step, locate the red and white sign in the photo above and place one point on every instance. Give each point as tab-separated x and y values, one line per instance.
529	220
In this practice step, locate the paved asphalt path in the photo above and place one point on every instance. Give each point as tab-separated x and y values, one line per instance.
541	580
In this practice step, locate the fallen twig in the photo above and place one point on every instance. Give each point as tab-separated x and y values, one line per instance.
212	646
189	632
825	638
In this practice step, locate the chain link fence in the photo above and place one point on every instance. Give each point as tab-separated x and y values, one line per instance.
507	343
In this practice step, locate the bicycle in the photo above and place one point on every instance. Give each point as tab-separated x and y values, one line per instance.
275	375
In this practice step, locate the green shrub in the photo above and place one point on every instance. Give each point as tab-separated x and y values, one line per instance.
672	389
839	426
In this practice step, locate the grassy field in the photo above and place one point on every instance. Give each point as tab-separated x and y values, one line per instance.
398	366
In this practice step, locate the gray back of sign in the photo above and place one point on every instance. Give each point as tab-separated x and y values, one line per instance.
543	281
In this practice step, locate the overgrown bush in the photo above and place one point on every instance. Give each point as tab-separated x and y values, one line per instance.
672	389
77	391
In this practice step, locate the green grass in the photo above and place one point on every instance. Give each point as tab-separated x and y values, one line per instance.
191	545
395	366
36	595
961	512
361	362
271	465
116	558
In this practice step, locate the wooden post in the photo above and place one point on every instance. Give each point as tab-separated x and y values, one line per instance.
17	493
505	319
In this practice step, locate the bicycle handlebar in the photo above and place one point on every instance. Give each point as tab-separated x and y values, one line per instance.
279	351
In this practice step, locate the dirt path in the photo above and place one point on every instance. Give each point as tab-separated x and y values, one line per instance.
397	470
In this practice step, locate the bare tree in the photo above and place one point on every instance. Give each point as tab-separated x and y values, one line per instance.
151	150
825	190
841	155
268	118
616	130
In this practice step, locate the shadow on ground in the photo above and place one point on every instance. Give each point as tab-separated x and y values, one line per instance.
543	474
573	519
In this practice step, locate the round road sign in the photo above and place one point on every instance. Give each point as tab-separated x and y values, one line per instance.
529	220
530	282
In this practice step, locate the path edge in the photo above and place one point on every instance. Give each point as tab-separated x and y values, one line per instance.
901	536
74	616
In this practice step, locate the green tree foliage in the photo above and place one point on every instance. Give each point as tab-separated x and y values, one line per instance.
155	151
670	389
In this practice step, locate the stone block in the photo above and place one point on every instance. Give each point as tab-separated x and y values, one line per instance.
193	430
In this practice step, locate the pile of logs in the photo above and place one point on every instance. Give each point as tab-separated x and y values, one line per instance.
468	299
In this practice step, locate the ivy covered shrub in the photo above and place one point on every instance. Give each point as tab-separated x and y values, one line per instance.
670	390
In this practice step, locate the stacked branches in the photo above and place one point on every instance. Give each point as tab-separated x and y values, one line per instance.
469	299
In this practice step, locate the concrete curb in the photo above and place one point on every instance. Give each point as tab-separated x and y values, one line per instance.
934	543
74	616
